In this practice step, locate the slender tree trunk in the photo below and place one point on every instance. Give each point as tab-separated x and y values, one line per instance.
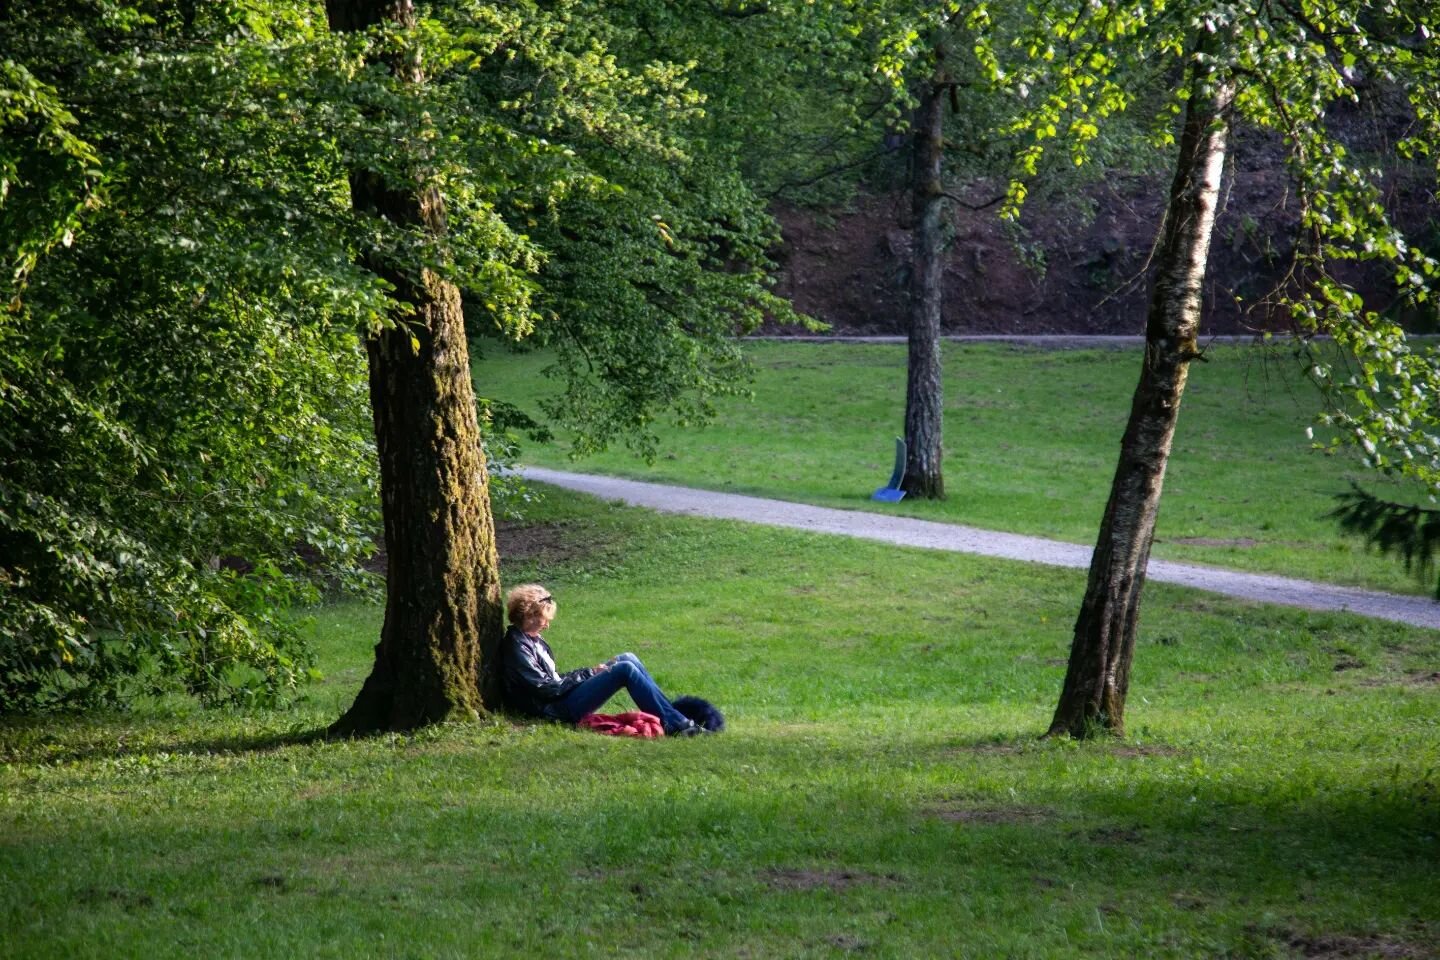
442	611
924	390
1096	681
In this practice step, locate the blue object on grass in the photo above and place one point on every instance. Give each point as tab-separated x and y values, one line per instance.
891	492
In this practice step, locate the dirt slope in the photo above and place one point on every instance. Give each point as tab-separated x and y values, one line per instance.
1067	272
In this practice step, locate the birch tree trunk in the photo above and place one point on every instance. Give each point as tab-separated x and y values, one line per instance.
924	390
1098	675
442	611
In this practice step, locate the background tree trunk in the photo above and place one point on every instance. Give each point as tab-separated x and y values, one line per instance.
924	390
1098	676
442	612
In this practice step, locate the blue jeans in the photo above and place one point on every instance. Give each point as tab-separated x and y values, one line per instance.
628	673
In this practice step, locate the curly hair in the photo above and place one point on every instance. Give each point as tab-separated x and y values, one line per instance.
527	602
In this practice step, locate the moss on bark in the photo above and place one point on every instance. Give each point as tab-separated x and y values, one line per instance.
442	613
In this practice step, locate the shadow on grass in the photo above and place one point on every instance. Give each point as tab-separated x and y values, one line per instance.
255	743
1080	867
34	740
39	739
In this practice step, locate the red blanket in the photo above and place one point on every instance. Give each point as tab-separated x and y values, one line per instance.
633	724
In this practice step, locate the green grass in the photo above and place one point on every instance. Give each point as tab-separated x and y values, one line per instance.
1031	442
880	792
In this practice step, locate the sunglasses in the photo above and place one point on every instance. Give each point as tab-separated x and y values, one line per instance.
546	599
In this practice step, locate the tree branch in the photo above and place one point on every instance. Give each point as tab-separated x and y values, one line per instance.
823	174
973	206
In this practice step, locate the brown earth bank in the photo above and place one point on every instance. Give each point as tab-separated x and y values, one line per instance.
1079	265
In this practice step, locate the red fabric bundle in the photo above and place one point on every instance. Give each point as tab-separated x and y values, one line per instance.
634	724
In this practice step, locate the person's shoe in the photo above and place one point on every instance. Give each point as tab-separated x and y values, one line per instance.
692	729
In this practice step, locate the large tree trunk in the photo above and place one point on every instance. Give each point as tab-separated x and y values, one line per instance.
1093	699
442	611
924	391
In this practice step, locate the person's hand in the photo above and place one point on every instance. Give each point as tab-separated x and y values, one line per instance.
602	667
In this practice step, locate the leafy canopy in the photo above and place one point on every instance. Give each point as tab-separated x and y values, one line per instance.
181	371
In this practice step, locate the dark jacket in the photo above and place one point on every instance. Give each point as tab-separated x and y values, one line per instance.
530	683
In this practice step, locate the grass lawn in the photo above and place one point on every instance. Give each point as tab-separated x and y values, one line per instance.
880	792
1031	442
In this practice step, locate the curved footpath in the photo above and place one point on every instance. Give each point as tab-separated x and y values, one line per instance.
907	531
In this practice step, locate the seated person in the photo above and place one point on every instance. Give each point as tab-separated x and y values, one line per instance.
534	686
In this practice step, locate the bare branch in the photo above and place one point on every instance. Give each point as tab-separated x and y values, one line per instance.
973	206
827	173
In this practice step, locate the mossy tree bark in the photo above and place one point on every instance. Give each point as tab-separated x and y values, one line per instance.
924	388
442	613
1097	678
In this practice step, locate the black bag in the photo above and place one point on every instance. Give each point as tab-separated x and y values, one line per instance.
703	712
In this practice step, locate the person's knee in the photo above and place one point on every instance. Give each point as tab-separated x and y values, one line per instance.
628	657
626	668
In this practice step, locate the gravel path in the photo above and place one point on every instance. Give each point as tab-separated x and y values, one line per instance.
906	531
1048	341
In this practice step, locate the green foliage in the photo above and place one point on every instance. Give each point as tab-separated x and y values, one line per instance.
585	209
791	97
1295	66
181	373
180	366
1408	531
1320	57
40	152
656	250
181	384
